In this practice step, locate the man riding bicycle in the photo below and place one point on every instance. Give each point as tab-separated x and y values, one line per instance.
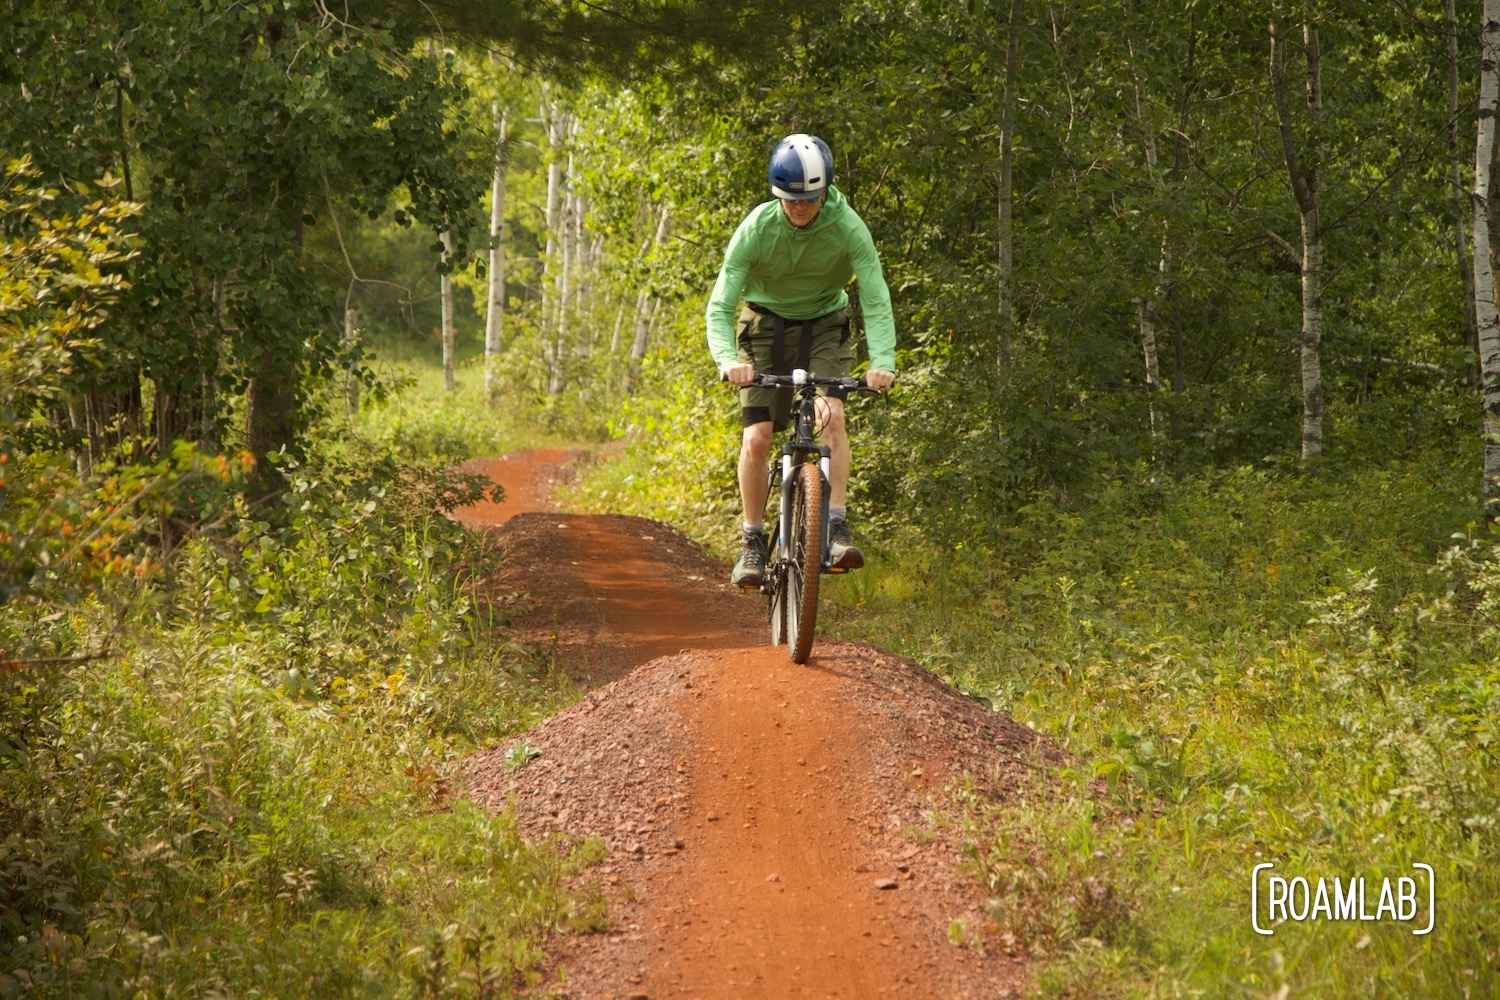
790	260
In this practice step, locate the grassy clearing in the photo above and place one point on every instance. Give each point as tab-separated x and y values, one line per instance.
416	418
1249	667
248	794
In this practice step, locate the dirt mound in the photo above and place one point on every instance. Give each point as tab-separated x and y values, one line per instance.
794	794
768	824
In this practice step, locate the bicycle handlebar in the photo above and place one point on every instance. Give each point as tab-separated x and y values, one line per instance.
800	378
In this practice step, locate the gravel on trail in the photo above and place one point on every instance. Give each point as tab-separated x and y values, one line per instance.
773	830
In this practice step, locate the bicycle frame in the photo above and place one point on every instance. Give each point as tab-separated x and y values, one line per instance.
798	449
791	581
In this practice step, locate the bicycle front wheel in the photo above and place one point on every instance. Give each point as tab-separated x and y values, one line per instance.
776	588
806	551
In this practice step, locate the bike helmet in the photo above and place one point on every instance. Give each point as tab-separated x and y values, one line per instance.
801	168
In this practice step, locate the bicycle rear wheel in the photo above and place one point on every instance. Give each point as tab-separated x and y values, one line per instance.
806	551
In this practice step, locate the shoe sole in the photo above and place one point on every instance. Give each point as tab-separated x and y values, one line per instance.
850	560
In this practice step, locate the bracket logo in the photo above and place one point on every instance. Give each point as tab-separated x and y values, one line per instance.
1276	899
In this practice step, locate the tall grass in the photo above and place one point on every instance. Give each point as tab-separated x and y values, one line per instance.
1261	668
1247	666
248	793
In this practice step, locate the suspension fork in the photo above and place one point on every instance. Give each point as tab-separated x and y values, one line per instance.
793	457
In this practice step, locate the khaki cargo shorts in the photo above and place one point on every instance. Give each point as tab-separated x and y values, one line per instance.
830	354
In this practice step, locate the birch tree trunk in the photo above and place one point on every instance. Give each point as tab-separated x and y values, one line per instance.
1149	308
549	115
1484	295
614	333
1182	143
645	309
1455	163
554	284
445	295
494	318
564	276
350	340
1302	170
1005	302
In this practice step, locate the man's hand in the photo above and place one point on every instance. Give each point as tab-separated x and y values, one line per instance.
879	378
739	374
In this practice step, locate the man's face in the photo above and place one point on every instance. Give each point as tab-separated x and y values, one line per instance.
801	213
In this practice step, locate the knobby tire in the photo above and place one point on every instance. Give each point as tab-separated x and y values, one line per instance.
777	577
801	601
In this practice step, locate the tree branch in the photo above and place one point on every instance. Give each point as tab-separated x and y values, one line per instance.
52	661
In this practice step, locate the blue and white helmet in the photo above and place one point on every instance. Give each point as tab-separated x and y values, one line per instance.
801	168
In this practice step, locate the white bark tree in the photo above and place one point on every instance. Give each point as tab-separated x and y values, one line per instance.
1455	169
1484	285
560	127
494	319
566	242
1005	296
445	295
1302	171
1148	308
645	309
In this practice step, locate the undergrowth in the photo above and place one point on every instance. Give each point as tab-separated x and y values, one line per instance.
1247	666
230	774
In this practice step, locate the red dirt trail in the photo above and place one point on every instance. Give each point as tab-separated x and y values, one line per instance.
773	828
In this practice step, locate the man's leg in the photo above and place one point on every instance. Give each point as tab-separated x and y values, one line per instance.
755	446
832	433
842	552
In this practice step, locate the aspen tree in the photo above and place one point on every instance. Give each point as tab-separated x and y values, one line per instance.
1302	171
1005	243
1484	284
495	308
445	296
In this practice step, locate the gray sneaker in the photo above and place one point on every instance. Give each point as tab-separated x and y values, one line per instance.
842	553
750	570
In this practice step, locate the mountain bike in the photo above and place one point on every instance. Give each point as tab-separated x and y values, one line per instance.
799	544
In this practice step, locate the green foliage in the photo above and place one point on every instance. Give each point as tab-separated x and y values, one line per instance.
1246	666
414	419
174	823
249	793
63	529
233	126
324	603
59	271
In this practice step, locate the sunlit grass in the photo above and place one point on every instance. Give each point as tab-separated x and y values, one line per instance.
1326	726
1245	667
420	418
251	794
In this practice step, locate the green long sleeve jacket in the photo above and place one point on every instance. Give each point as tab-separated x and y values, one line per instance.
801	274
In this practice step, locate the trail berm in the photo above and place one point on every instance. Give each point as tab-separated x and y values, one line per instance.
774	830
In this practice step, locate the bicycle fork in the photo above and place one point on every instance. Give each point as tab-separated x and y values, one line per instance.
791	456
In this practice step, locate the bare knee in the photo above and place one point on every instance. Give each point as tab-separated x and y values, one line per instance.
755	442
831	419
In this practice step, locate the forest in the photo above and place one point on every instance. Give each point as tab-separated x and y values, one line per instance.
1192	464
